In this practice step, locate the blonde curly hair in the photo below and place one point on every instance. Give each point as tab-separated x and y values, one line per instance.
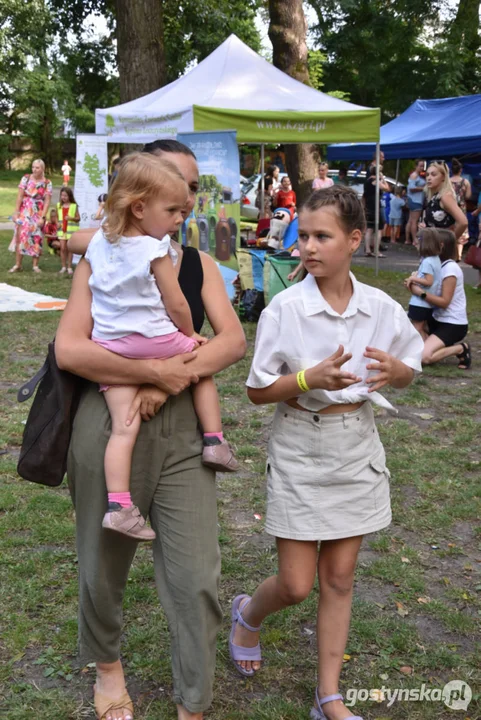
141	177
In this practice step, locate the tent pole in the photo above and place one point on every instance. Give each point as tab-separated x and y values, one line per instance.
397	171
261	210
376	216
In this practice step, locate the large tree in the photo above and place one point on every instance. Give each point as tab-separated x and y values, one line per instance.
287	32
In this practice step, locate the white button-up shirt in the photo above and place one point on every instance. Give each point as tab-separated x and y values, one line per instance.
299	329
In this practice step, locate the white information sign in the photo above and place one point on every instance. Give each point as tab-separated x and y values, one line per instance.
91	176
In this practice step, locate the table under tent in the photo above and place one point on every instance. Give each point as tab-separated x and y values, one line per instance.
235	89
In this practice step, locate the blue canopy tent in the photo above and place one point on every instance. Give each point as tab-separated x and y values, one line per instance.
428	128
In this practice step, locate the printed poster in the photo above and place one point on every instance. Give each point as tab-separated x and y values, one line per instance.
214	225
91	176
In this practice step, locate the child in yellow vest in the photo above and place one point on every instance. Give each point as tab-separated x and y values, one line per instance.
69	218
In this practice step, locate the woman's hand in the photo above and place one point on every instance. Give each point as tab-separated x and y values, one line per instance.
327	375
390	370
174	374
148	401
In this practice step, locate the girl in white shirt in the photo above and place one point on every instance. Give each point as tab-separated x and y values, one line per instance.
448	326
324	349
139	311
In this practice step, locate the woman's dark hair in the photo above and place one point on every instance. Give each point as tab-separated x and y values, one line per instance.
70	194
449	245
417	161
430	243
456	165
271	170
102	198
345	200
167	146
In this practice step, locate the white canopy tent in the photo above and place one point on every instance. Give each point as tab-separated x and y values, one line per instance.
236	89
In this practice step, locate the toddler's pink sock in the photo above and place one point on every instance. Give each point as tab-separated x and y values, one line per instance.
219	436
122	498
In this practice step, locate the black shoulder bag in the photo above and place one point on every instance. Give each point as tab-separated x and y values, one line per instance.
46	437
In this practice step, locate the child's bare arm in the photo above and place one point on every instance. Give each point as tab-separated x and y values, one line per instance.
426	281
80	240
172	296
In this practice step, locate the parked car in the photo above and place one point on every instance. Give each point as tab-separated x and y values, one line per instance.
249	189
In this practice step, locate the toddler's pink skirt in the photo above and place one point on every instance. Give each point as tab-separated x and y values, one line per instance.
139	347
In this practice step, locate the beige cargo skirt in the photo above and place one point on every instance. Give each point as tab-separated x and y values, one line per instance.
326	475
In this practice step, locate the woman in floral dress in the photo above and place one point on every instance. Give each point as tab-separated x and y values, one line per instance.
34	193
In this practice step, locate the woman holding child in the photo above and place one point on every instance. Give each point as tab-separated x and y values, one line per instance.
168	480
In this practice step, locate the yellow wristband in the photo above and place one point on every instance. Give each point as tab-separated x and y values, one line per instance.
301	381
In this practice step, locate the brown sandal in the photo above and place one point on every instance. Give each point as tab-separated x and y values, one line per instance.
104	704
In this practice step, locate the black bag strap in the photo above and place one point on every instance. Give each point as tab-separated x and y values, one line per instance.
27	390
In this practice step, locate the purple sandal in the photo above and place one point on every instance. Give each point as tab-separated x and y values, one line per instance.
317	713
237	652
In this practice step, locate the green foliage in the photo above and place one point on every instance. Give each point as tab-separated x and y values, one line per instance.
387	54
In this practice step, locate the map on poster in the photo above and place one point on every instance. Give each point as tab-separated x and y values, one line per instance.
214	225
91	176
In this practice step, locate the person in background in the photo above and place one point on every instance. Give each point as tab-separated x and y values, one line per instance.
266	212
428	277
66	170
69	218
442	209
323	181
33	200
416	185
273	172
51	232
369	200
342	177
100	214
395	213
286	197
462	191
449	323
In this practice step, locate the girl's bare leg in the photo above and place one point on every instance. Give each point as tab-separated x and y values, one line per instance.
336	566
118	453
207	406
63	253
293	583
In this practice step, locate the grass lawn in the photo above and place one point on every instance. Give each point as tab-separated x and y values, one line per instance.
9	180
417	610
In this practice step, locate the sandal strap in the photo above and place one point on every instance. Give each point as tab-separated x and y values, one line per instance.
328	698
242	622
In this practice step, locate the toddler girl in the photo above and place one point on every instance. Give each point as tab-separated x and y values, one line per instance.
324	349
51	232
68	213
428	277
139	311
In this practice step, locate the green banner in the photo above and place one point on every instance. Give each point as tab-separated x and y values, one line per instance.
291	127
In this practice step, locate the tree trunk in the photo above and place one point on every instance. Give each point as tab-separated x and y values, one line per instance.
140	47
287	32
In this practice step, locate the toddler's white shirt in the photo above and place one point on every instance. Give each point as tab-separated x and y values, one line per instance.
125	296
299	329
